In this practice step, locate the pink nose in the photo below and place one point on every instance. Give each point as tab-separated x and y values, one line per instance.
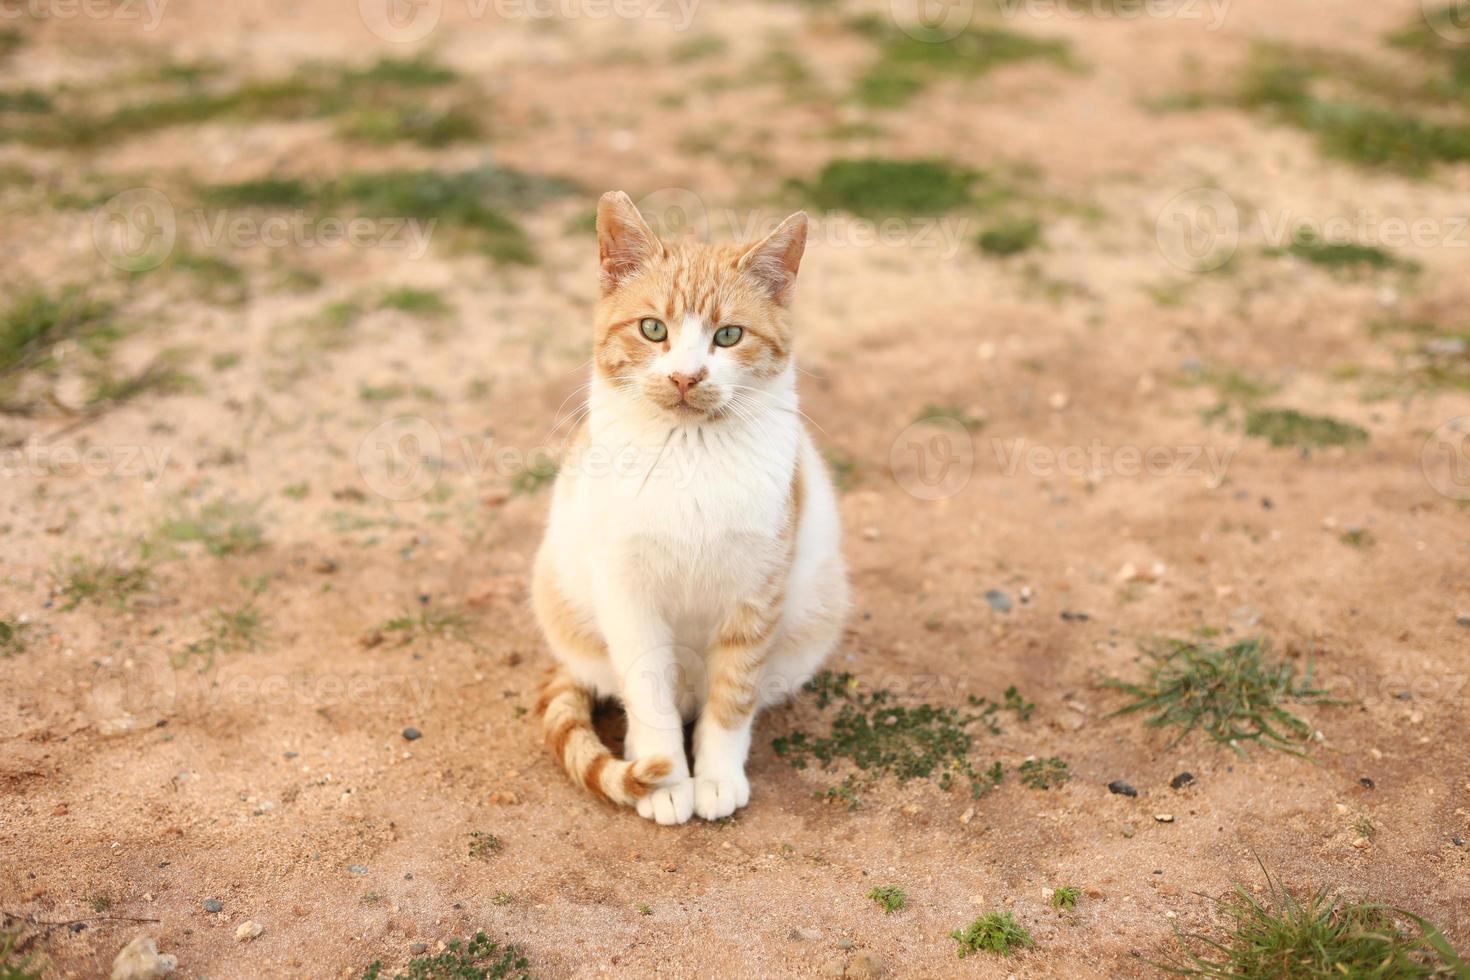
686	381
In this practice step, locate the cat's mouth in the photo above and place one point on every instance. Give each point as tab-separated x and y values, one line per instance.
697	403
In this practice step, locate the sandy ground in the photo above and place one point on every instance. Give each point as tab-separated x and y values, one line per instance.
139	780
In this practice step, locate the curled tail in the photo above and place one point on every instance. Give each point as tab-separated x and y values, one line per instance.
565	707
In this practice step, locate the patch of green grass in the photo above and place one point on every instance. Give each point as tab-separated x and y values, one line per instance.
35	320
1344	257
12	636
1044	773
380	393
414	122
477	959
221	281
890	898
1323	935
698	48
876	187
469	205
222	527
1289	427
241	628
1010	237
1232	384
881	737
1358	537
14	966
107	581
191	96
1285	82
1235	694
644	908
261	192
424	303
1065	896
538	474
847	472
101	903
482	845
164	375
26	101
427	622
910	59
994	932
1439	36
952	413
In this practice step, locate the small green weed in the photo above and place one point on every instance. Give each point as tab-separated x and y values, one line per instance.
1289	427
876	187
533	477
35	320
12	636
952	413
482	844
221	527
889	897
1044	773
424	303
1065	896
1235	694
1324	935
881	737
1342	257
1358	537
477	959
1010	237
105	580
14	966
427	623
911	57
994	932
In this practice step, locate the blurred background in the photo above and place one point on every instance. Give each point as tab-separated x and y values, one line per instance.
1118	319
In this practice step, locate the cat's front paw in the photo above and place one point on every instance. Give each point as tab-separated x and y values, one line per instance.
670	804
718	796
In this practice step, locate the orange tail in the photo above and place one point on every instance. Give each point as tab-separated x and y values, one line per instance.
565	707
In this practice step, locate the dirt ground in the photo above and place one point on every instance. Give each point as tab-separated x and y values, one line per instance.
231	729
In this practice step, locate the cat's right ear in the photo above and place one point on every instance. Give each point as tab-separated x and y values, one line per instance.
624	240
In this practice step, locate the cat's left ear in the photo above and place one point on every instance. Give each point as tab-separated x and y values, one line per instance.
773	261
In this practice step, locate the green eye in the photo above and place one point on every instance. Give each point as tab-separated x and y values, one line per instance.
728	336
653	329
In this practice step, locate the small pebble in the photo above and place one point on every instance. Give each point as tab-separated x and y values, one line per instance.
248	930
1181	780
77	926
418	948
1164	817
412	734
1366	782
213	905
1463	619
1075	617
1121	788
998	600
357	869
845	943
809	934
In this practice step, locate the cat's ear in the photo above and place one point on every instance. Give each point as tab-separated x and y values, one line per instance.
624	240
773	261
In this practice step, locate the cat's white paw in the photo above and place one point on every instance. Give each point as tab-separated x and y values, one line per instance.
668	805
716	797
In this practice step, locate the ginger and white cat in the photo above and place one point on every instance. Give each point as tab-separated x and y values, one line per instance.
692	565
